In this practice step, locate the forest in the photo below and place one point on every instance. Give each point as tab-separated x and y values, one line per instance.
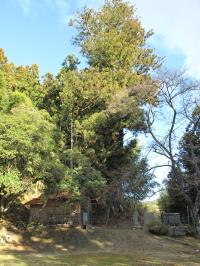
68	131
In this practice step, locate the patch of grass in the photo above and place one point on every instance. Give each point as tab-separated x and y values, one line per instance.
104	259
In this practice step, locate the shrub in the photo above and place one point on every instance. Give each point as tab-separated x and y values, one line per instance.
190	231
157	229
35	227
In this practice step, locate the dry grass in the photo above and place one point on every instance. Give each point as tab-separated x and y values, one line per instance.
99	259
120	247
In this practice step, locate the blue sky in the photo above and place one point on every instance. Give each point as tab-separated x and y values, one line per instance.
36	31
36	35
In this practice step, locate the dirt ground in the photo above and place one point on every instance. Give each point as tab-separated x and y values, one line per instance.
99	246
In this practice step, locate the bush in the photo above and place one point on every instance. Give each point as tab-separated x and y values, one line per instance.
190	231
35	225
20	224
157	229
18	215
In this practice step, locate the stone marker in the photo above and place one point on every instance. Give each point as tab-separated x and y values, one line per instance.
171	218
176	231
85	218
135	218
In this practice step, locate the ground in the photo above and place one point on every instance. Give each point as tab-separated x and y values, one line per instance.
96	247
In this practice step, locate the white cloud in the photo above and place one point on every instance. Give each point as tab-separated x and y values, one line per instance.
25	5
178	22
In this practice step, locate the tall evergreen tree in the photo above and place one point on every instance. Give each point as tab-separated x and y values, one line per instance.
101	101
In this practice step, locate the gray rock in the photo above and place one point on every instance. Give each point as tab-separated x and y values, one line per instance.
176	231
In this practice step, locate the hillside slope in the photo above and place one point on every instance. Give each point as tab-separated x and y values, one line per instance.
101	246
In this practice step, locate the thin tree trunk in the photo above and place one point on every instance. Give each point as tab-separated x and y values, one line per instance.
71	143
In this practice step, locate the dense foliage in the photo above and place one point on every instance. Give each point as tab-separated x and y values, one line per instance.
26	141
68	130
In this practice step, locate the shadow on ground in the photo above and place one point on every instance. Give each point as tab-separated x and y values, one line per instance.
58	245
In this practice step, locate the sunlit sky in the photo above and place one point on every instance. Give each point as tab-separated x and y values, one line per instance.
37	31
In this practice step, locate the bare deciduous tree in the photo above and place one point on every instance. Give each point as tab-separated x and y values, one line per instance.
167	121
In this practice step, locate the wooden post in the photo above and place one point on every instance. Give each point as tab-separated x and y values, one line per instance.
188	215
